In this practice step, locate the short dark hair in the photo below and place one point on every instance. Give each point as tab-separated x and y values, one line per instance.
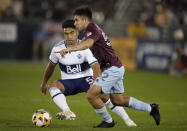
68	24
84	11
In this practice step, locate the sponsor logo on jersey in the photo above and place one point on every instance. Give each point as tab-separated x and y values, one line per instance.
75	69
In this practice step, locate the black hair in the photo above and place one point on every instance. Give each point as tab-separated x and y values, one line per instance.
68	24
84	11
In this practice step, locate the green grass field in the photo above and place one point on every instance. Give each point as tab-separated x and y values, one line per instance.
20	96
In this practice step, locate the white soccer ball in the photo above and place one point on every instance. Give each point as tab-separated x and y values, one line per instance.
41	118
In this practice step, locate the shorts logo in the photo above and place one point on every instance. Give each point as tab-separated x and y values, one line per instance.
73	70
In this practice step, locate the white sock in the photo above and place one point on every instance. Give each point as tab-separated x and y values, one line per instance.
118	110
59	98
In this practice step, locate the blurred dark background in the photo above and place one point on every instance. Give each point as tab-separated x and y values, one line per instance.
30	28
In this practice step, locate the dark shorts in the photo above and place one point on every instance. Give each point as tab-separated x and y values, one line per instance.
75	86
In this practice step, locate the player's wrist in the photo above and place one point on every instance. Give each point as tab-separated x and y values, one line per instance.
72	49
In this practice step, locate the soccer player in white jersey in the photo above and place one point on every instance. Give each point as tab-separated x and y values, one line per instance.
78	70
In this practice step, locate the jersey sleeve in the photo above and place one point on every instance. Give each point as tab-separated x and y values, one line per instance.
92	32
53	57
89	57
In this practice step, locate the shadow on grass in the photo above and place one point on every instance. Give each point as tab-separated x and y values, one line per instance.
27	125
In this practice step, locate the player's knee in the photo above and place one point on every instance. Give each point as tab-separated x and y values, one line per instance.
89	96
93	93
52	85
58	85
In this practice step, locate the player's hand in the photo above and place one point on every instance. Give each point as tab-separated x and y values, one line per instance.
43	88
64	51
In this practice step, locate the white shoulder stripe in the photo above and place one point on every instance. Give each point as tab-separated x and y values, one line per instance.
93	62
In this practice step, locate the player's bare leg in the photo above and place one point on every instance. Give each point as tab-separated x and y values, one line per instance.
56	90
94	99
120	100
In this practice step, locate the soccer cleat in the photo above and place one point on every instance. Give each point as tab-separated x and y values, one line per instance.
130	123
104	124
155	113
66	115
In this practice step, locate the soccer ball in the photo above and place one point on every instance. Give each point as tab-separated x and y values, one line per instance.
41	118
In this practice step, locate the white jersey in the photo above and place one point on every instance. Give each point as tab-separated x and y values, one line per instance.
75	64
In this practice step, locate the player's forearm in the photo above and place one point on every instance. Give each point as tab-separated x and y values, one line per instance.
48	73
83	45
96	70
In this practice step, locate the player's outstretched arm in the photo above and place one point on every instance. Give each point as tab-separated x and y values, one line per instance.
81	46
47	74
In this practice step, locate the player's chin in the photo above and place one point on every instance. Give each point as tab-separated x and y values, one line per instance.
79	29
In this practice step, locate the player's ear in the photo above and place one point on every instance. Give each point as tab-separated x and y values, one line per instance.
84	18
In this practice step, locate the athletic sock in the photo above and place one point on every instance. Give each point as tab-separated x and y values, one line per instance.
139	105
59	99
118	110
104	114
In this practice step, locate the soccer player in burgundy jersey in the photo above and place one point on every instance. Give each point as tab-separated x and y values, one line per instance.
110	81
78	69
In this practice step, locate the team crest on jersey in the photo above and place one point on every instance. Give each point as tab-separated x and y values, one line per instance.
89	34
79	56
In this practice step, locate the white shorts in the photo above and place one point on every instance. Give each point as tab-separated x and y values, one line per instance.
111	80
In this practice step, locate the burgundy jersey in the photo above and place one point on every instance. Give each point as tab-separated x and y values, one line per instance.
101	48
